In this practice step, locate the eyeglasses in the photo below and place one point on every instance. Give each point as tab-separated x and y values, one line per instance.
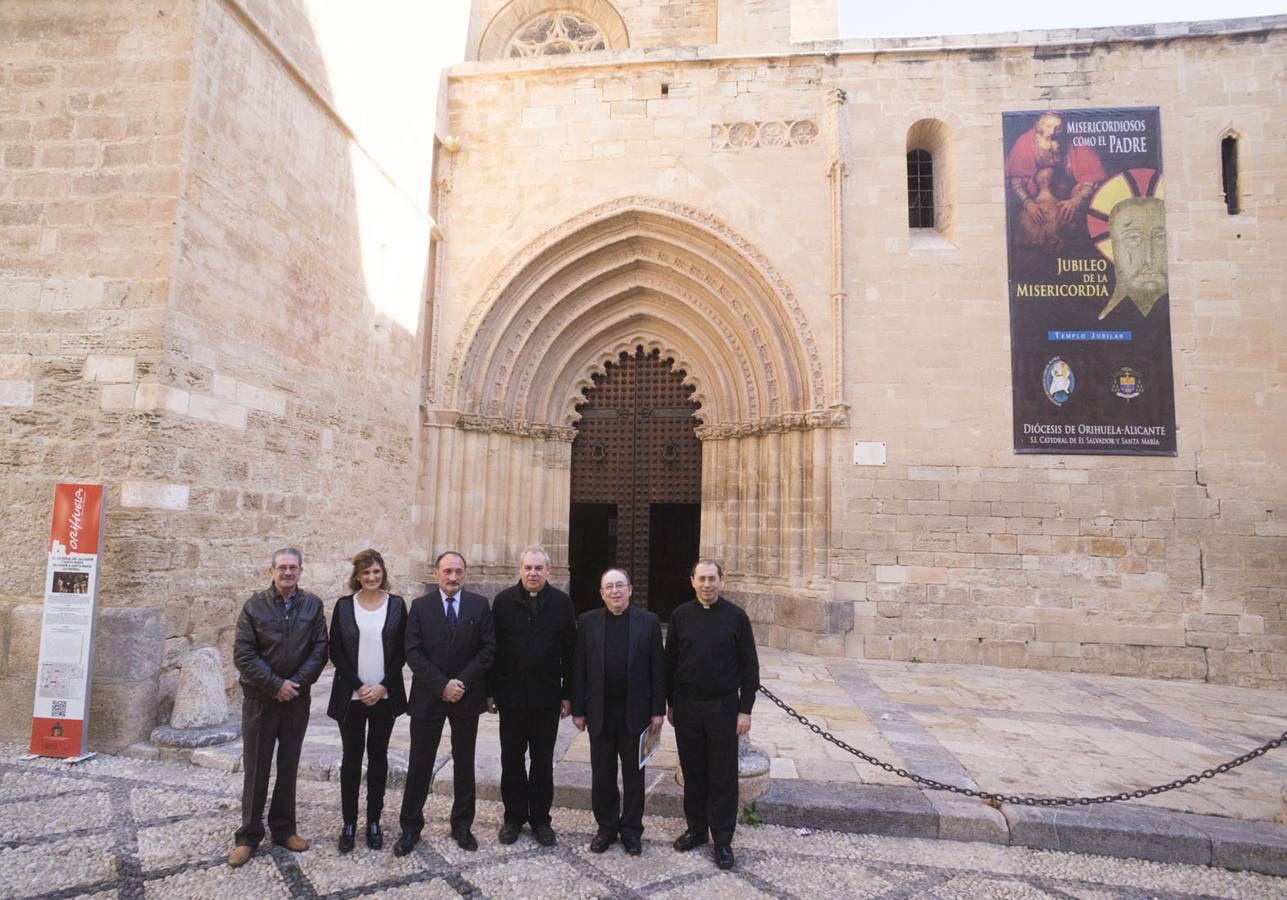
616	586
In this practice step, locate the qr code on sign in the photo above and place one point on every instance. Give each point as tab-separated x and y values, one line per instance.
58	709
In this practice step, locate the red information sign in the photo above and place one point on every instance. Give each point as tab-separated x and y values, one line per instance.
60	719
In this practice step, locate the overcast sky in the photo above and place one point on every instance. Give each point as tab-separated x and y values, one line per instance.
881	18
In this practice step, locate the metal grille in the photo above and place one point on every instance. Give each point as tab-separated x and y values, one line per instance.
920	189
636	446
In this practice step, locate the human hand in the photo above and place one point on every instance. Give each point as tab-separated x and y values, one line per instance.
454	690
743	724
288	691
565	709
656	723
491	704
579	722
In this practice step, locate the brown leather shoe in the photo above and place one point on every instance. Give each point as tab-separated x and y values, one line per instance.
240	855
295	843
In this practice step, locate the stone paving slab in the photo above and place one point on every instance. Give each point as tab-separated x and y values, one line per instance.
1002	730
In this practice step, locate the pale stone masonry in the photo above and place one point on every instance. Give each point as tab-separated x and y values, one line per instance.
266	280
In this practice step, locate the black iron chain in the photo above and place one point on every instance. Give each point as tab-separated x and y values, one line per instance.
1019	799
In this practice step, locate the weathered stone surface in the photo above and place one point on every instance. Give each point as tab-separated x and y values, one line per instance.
1110	831
1236	844
964	819
129	643
862	808
190	738
201	700
572	782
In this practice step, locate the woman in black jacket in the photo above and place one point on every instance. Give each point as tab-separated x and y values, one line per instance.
368	629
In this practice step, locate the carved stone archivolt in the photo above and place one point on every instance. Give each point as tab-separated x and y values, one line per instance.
775	133
637	272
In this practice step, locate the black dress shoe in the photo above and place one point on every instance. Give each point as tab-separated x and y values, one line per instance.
374	836
544	835
406	843
602	841
724	856
347	835
509	833
465	839
688	840
632	845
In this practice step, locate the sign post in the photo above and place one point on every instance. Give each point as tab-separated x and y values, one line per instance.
60	719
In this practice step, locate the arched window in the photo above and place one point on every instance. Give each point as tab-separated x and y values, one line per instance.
556	34
920	189
931	191
1229	174
532	28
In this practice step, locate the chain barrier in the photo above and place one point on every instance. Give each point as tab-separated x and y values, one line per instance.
1018	799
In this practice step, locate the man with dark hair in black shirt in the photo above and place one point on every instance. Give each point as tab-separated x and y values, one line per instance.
618	690
712	674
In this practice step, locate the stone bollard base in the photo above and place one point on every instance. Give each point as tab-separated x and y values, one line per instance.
752	773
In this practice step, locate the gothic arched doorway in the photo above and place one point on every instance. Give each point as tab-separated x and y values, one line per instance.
636	483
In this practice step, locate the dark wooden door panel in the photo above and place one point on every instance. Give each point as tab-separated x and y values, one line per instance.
636	446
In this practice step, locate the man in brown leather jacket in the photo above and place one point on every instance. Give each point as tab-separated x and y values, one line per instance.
279	650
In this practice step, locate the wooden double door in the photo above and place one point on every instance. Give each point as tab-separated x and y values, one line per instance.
636	483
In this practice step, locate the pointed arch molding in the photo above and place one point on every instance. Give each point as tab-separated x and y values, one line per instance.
633	271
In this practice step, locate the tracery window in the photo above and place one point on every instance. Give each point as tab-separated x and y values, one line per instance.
556	34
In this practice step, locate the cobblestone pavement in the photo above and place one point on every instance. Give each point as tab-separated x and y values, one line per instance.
119	827
1003	730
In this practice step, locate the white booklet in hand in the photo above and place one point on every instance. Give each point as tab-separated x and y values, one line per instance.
649	740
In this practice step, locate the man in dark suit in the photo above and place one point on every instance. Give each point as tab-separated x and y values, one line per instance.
618	690
530	686
712	674
450	647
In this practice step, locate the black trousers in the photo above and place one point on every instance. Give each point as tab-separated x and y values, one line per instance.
268	726
706	737
426	734
616	742
527	795
365	729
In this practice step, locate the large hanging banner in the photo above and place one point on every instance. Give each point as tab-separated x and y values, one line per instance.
60	721
1090	324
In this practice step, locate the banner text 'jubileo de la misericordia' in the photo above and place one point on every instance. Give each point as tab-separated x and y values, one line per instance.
1090	323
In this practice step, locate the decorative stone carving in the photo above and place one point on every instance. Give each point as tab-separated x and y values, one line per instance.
818	418
200	716
496	425
557	34
776	133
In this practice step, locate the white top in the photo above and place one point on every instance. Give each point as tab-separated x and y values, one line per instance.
370	661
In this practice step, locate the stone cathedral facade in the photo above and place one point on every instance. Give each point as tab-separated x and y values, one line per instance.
637	281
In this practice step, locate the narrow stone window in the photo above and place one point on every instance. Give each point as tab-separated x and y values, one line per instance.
920	189
1229	174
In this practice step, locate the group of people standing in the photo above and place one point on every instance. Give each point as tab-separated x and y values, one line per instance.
526	657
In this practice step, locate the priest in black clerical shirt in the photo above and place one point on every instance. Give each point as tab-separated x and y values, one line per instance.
618	690
712	675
